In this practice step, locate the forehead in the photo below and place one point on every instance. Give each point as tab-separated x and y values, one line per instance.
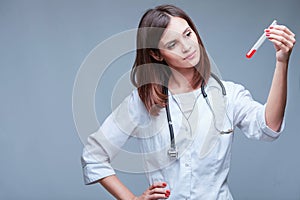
176	26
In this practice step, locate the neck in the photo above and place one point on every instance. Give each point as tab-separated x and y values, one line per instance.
181	81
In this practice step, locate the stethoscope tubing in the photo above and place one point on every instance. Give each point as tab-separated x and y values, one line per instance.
173	150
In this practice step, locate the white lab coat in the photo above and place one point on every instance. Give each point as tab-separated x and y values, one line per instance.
202	168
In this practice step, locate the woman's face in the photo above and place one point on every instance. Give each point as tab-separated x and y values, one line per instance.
179	45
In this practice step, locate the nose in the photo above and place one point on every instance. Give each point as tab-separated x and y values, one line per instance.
186	46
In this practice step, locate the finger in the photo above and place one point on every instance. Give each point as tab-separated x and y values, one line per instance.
280	46
158	196
281	33
280	41
284	29
159	191
158	185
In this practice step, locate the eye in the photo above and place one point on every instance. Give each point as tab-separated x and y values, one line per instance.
189	33
171	45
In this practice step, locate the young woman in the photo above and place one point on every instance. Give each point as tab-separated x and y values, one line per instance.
177	93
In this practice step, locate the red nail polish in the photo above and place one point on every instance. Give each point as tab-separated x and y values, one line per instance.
267	35
164	184
267	30
168	192
271	27
167	195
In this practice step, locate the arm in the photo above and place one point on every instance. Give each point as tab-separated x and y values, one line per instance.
114	186
283	40
103	146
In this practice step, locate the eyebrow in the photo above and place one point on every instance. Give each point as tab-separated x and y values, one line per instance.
186	30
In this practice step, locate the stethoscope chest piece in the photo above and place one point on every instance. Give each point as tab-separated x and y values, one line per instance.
173	153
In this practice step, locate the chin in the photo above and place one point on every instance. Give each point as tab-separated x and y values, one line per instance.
195	62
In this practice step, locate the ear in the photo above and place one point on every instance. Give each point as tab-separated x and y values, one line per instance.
156	55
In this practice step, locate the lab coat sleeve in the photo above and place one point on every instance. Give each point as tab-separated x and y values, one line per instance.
103	145
249	115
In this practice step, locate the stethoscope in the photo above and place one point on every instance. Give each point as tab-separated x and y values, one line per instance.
173	152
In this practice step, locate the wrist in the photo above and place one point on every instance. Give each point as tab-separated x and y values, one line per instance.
282	64
282	59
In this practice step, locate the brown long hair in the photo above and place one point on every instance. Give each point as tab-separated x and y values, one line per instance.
150	75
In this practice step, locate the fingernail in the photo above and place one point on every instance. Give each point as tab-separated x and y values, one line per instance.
270	27
167	195
267	35
168	192
164	184
267	30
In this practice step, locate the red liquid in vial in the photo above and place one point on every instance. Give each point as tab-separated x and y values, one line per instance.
250	53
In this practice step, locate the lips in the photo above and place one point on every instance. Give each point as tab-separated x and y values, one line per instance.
190	56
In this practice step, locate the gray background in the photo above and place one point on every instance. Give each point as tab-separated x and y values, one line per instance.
42	45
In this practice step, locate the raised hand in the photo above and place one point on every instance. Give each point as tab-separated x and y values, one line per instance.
283	40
